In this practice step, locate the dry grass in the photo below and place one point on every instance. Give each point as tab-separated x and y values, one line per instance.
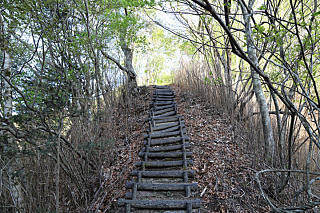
223	166
232	138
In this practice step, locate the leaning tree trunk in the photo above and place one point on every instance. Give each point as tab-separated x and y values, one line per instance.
132	77
257	87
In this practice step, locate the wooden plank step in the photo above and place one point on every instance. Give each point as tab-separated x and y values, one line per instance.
166	126
160	86
168	119
162	99
163	96
163	174
164	103
164	141
165	119
172	129
162	134
162	186
159	107
156	98
161	204
160	91
161	121
163	92
155	108
160	164
160	127
166	148
166	114
168	89
164	154
163	111
161	103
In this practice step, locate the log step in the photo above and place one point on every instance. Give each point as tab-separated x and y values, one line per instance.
164	141
162	98
161	204
169	118
165	119
161	87
156	108
164	114
164	93
162	103
172	129
163	90
166	148
159	112
166	126
164	154
164	174
162	186
163	134
161	164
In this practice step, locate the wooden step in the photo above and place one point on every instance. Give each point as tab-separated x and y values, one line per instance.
161	164
161	204
161	86
162	103
163	96
160	120
163	174
163	90
164	93
169	118
164	114
164	154
162	99
163	134
157	108
166	148
172	129
159	112
162	186
166	126
164	141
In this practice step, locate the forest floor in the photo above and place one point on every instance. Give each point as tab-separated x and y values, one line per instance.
224	167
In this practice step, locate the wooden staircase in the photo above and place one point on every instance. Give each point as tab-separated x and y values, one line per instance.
162	182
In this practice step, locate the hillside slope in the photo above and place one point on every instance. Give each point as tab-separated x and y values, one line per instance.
224	170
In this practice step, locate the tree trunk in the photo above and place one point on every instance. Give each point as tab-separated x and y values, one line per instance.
15	184
132	77
257	87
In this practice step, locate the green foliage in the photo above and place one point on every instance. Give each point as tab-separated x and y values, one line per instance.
187	48
124	19
316	13
262	7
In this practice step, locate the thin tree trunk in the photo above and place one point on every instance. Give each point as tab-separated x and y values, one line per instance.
15	184
58	167
257	86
